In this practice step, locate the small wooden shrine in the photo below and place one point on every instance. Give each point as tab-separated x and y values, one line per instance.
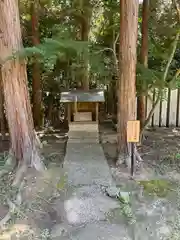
83	106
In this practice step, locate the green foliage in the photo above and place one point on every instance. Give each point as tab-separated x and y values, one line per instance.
157	187
163	28
148	77
59	25
64	58
52	49
155	78
126	208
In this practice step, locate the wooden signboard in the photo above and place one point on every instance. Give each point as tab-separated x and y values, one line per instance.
133	131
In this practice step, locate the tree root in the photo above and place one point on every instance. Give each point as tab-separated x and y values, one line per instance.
38	142
12	206
19	175
37	162
9	166
5	219
126	158
18	181
32	158
137	155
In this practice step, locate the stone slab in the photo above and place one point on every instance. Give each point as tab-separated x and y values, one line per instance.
85	205
82	130
100	231
85	164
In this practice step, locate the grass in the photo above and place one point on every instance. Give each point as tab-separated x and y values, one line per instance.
160	187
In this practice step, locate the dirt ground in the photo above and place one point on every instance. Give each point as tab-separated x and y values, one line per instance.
35	216
160	150
161	157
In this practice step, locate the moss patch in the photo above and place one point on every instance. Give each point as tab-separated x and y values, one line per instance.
160	188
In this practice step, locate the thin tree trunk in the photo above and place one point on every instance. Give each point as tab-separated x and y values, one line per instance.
85	28
127	81
36	83
111	98
50	108
16	96
85	72
141	100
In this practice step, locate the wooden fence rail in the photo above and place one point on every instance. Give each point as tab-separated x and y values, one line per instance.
167	113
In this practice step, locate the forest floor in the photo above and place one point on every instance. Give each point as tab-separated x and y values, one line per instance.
154	197
160	153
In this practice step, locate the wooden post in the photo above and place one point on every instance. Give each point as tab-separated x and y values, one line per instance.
97	112
133	136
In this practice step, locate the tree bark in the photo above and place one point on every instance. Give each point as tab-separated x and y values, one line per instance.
141	100
50	108
85	72
16	96
36	75
2	115
127	82
85	28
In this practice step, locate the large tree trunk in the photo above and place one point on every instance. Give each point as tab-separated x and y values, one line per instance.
2	116
85	72
141	100
36	83
127	81
14	77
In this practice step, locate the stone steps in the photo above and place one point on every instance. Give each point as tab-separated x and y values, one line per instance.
83	131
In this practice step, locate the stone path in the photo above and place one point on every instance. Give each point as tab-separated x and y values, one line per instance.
86	212
85	162
85	207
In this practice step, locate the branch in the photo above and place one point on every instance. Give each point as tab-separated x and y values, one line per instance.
152	111
171	57
164	79
115	54
113	50
177	9
172	83
149	97
60	15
